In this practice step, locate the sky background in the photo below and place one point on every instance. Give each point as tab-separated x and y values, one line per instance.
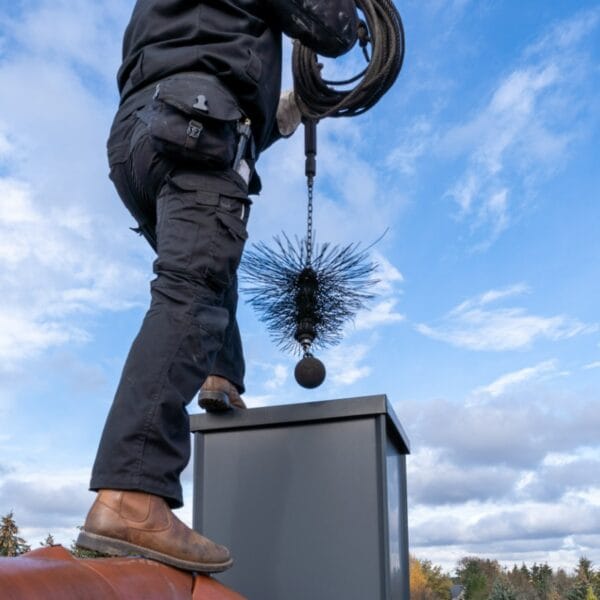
483	164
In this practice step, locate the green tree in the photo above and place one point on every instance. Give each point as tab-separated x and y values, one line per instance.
10	542
586	572
587	582
595	581
561	583
579	591
478	576
541	579
519	579
584	569
502	590
439	582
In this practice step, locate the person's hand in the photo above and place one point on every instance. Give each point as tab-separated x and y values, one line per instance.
288	114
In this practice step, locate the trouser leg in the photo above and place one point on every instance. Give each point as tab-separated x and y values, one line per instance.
229	362
146	442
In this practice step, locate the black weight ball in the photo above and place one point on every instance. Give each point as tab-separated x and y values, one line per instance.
310	372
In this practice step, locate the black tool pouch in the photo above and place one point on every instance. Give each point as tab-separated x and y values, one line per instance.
194	118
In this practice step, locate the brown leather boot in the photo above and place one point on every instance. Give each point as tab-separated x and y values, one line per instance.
123	523
217	394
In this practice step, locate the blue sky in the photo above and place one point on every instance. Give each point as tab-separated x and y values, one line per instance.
483	163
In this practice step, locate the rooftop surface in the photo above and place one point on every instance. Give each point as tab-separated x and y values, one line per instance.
53	573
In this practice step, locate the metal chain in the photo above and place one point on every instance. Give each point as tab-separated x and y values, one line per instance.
309	220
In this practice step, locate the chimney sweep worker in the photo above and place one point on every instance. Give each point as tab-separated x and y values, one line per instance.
200	91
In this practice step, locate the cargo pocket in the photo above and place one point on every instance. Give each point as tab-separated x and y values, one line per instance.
193	118
201	233
232	217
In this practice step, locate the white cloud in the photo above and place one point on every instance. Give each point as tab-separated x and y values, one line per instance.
344	363
495	522
53	269
381	310
493	295
348	188
81	33
524	131
509	380
387	275
553	482
505	479
494	210
559	459
565	34
45	501
279	377
23	337
518	430
416	141
382	313
474	326
434	480
65	250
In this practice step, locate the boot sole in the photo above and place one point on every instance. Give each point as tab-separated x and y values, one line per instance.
115	547
214	401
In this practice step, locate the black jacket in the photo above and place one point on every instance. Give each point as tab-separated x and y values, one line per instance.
239	41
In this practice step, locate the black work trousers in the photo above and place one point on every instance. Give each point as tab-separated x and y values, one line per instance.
196	220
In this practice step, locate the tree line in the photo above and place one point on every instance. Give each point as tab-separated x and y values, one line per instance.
484	579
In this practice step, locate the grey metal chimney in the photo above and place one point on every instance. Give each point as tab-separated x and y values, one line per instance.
310	498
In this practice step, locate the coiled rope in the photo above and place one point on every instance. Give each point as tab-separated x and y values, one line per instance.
382	30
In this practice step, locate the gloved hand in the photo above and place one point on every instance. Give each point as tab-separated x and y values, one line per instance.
288	114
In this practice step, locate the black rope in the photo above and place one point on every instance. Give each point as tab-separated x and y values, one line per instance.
318	98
